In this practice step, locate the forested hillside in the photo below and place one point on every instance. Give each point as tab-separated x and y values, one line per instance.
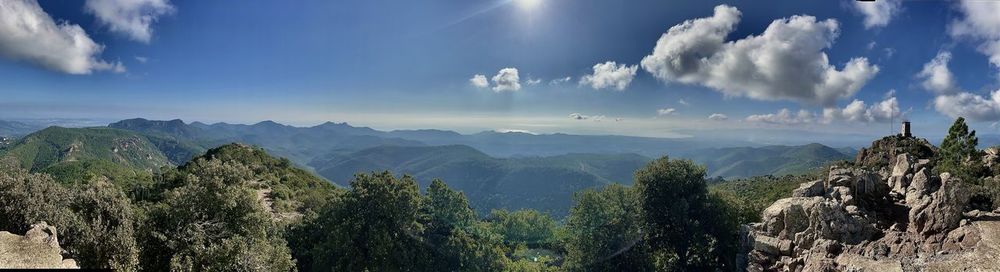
737	162
542	183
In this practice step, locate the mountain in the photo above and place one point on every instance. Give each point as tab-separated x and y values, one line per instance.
301	145
289	192
544	183
55	145
766	160
16	129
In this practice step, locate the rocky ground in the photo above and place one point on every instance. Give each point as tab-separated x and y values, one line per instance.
883	213
38	248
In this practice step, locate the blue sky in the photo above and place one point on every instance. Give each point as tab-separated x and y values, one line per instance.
408	64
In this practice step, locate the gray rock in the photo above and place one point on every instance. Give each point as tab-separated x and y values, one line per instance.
922	185
941	211
809	189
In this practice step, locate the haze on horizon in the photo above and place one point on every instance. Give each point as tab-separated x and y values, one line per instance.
807	71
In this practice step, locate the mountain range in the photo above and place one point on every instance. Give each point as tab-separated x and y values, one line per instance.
496	170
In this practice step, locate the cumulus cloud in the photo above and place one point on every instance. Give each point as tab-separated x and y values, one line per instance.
479	81
783	117
878	13
979	22
785	62
610	75
666	111
29	34
972	106
560	80
857	111
936	75
129	17
506	80
718	117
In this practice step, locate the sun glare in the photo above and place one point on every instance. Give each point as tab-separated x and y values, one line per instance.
528	5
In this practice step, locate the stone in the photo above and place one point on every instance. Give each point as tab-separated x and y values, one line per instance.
941	211
809	189
38	248
902	167
922	185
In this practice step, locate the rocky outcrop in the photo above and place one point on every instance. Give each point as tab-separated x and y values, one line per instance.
38	248
900	216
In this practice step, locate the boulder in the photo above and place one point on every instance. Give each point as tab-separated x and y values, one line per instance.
941	211
922	185
38	248
809	189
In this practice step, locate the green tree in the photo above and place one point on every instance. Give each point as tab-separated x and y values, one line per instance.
958	154
680	220
528	227
605	231
105	236
374	228
214	222
458	241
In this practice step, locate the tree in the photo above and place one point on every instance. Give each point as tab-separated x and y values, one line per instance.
958	154
214	222
105	235
528	227
459	242
375	227
605	231
679	218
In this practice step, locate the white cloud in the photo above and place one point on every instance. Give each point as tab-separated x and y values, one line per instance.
857	111
786	62
29	34
506	80
479	81
532	82
610	75
596	118
129	17
972	106
560	80
980	23
718	117
936	75
878	13
666	111
141	59
682	102
950	100
783	117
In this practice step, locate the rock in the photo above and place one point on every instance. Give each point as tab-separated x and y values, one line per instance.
922	185
773	246
941	211
809	189
902	167
38	248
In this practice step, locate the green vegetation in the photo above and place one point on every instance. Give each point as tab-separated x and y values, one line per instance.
56	145
778	160
959	155
749	197
543	183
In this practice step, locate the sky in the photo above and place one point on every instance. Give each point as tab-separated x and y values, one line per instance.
747	69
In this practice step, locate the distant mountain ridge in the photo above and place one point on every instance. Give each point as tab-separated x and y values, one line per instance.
766	160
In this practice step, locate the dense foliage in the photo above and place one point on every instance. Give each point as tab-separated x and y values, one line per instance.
958	154
237	208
